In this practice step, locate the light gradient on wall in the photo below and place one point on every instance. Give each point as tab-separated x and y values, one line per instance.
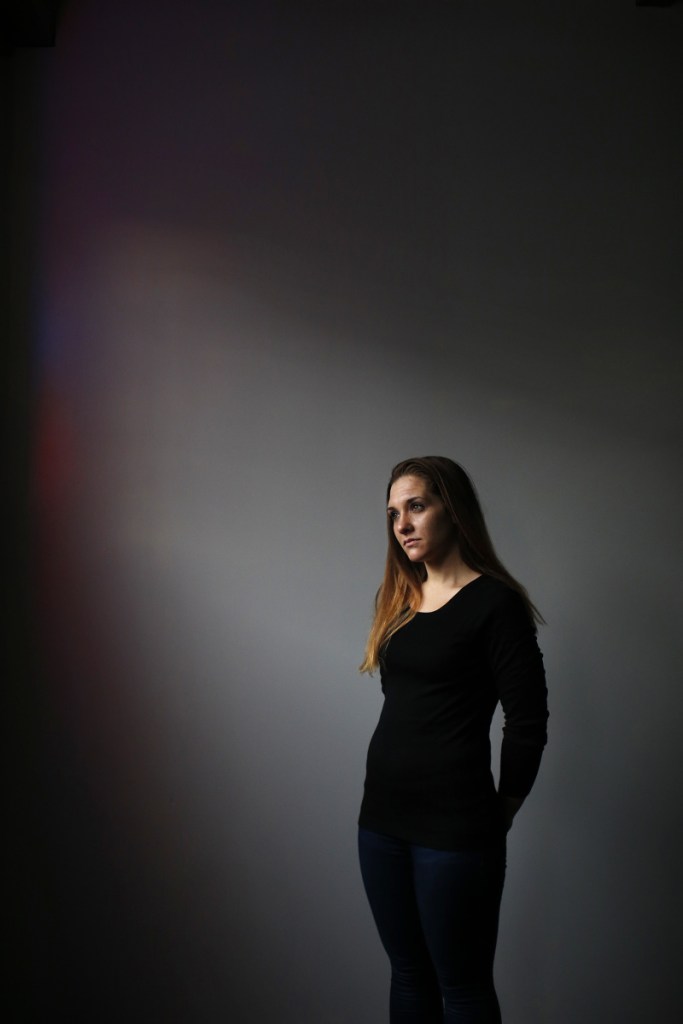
281	254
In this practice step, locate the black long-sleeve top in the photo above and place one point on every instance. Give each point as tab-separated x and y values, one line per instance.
428	778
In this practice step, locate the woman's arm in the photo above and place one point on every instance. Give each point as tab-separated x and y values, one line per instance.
511	804
517	666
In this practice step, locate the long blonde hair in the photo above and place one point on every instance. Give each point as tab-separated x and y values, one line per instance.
400	594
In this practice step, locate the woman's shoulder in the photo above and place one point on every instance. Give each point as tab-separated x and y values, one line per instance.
501	605
490	588
491	594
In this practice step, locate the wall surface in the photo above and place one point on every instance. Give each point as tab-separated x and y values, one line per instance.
283	247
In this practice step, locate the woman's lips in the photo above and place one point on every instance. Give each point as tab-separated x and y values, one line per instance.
413	540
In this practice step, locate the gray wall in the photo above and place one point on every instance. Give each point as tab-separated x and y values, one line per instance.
282	250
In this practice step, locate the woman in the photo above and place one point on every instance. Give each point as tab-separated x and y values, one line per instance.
453	634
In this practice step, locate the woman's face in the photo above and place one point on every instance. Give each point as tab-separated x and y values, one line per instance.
421	524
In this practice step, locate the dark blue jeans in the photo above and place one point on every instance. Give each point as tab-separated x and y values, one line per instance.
437	916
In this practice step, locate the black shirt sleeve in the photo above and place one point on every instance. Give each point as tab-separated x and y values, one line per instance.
517	666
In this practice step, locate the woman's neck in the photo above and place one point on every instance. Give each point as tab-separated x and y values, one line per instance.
451	573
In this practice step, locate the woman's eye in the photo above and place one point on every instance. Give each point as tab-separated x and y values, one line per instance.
393	515
417	506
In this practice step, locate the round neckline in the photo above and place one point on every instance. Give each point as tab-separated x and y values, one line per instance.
453	596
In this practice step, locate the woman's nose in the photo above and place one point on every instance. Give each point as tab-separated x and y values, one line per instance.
404	525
